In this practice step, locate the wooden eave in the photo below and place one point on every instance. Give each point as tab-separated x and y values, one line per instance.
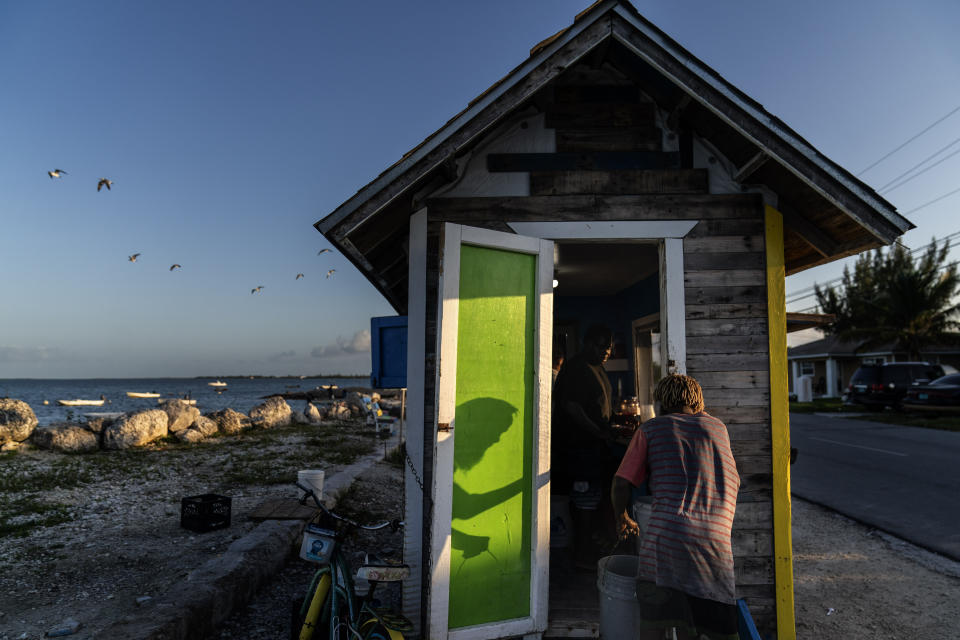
801	321
828	212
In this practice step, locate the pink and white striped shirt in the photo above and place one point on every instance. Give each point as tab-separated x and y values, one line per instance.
694	481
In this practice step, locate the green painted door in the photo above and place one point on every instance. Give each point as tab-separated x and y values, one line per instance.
493	453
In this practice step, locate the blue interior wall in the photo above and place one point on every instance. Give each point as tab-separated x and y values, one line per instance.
617	312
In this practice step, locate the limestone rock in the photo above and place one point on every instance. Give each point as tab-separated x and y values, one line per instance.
312	414
297	417
191	435
180	415
97	425
230	421
275	412
17	420
71	438
206	426
338	411
136	429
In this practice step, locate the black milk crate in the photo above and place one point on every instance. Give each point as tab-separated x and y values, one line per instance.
205	513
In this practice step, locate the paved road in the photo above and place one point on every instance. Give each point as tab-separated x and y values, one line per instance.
904	480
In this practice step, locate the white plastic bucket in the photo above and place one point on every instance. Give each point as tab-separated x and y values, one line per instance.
619	611
312	479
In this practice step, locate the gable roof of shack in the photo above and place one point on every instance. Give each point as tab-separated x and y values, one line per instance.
828	212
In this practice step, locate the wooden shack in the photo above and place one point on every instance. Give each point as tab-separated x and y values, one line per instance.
612	176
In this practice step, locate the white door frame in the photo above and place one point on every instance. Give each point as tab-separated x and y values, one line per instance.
453	236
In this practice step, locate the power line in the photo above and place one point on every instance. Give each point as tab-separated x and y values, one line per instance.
914	137
884	188
934	201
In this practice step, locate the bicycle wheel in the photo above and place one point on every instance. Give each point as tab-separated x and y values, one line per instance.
309	616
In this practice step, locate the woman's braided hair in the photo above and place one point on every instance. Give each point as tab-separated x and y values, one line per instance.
676	391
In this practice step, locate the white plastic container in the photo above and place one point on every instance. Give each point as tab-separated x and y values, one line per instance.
313	480
619	611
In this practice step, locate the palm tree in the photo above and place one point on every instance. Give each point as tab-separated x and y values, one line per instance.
894	298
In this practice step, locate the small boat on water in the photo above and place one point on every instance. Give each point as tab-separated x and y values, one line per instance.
80	403
142	394
190	401
218	383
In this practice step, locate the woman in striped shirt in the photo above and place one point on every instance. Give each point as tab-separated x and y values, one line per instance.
685	577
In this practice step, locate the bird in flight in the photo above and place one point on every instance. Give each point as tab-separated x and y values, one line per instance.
299	275
56	173
103	182
323	251
133	258
256	289
331	272
175	266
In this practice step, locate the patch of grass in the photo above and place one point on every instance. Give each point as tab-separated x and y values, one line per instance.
396	456
926	421
823	405
30	513
68	473
339	449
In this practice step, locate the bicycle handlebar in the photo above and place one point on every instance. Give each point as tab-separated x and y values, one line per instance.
394	524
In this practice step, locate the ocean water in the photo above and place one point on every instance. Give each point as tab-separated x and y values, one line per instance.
240	394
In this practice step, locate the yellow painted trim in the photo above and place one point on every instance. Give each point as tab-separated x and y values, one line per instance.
780	425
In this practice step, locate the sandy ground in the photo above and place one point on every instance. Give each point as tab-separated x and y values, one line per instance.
854	582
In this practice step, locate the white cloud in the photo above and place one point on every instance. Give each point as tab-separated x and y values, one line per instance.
282	355
359	343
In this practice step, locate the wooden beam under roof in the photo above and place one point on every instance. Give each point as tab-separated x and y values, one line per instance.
809	232
751	166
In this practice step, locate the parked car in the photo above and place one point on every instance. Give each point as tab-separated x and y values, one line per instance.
876	386
943	394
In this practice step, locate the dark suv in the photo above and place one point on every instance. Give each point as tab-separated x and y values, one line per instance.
876	386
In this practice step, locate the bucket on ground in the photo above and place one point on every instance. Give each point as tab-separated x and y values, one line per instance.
313	480
619	611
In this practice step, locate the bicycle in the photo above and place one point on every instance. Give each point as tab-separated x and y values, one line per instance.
330	608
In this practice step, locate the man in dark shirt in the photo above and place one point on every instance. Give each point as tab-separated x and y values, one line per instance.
583	463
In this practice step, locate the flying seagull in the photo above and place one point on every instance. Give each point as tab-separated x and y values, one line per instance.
256	289
56	173
175	266
103	182
133	258
331	272
299	275
323	251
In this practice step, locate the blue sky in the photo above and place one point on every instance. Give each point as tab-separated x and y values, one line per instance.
230	128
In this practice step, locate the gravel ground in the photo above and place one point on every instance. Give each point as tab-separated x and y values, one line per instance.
86	536
374	497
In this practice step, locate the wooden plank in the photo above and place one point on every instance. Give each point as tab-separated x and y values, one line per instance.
749	431
725	295
734	415
753	515
596	207
750	448
593	93
728	361
730	397
623	139
727	261
732	379
618	182
587	161
723	244
725	278
755	487
720	311
739	227
751	166
283	509
752	542
579	115
731	327
753	570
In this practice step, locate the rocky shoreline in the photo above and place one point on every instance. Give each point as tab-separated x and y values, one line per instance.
180	420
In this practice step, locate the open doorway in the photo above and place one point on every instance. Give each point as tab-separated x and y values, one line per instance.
617	285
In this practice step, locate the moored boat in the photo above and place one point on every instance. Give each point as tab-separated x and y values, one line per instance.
142	394
80	403
218	383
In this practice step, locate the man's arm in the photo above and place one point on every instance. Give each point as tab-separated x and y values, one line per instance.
620	492
583	421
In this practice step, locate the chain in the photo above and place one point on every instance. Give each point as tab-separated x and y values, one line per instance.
416	476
